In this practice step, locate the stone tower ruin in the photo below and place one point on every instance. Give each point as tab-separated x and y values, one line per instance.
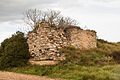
45	41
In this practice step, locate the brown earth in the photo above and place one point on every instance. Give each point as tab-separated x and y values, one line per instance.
17	76
47	62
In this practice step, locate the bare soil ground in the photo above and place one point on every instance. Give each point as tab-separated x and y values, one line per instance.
48	62
17	76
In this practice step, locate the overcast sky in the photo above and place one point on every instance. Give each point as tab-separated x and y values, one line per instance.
100	15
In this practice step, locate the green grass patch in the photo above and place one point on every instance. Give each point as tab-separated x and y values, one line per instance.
73	72
95	64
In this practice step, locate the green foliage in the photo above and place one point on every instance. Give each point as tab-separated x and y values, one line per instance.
14	51
94	64
103	55
107	47
73	72
85	57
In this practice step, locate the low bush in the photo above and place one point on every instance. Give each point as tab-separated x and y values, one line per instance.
14	51
116	56
85	57
108	47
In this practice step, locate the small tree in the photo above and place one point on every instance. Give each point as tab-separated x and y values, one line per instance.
14	51
32	16
66	22
54	18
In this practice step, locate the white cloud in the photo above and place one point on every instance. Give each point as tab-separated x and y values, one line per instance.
9	28
100	15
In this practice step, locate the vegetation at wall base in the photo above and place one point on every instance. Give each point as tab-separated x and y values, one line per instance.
72	72
14	51
93	57
101	63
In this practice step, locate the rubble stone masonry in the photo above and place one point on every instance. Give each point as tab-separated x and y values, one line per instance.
45	42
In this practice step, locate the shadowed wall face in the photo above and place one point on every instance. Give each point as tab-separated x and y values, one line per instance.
82	39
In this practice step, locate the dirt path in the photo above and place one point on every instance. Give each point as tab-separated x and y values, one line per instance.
17	76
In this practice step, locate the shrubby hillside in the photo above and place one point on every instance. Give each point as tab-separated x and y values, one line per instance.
101	63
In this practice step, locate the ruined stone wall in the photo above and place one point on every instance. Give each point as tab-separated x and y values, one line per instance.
45	42
82	39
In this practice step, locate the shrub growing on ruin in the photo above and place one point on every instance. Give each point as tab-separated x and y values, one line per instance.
35	16
14	51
